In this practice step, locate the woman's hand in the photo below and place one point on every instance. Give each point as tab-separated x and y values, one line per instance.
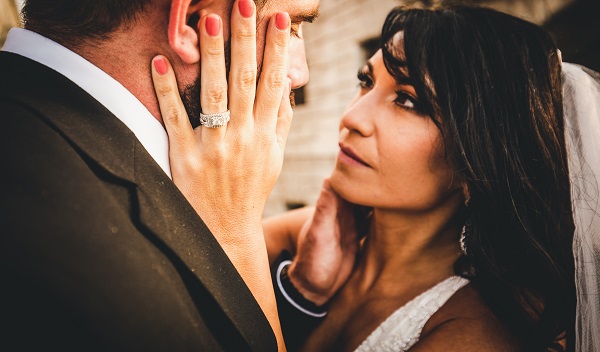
227	173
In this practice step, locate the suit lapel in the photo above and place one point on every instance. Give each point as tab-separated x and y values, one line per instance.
170	221
201	254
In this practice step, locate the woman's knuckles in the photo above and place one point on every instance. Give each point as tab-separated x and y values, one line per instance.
244	36
245	76
166	91
172	114
213	52
276	77
216	94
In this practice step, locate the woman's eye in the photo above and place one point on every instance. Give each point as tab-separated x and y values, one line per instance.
365	82
406	101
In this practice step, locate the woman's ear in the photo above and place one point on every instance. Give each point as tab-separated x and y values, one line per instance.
183	38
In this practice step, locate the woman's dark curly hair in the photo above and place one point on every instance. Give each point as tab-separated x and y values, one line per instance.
491	83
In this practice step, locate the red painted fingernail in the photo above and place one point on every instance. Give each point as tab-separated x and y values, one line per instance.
246	8
161	66
213	25
282	20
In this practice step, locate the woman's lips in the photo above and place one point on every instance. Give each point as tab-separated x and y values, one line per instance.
348	155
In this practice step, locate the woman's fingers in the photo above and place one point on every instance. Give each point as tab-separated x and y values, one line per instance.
273	78
285	115
243	70
181	136
213	78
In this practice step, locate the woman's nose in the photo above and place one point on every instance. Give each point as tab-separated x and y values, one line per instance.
359	116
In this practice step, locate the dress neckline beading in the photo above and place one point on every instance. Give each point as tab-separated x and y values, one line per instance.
402	329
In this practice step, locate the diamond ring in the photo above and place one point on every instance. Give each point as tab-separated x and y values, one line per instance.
214	120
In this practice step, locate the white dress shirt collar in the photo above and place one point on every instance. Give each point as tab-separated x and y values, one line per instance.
108	91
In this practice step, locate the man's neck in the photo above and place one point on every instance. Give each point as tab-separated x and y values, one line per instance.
132	71
128	61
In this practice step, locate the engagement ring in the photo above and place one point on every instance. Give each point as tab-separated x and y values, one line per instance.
214	120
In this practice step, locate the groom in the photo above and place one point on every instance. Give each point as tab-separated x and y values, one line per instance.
99	249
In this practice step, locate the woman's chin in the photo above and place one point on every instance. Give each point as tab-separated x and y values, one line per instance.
346	188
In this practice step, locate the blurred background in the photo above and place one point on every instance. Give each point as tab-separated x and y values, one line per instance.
340	41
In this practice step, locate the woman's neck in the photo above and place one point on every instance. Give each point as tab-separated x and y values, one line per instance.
405	248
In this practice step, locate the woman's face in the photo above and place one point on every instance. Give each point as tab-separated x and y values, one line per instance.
390	153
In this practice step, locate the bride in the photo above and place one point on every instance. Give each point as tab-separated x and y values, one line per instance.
455	146
454	142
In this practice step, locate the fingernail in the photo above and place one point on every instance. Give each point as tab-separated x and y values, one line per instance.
246	8
282	20
160	64
213	25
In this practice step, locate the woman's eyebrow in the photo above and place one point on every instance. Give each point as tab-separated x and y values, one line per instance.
402	78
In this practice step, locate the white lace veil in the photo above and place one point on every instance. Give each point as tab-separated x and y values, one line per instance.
581	99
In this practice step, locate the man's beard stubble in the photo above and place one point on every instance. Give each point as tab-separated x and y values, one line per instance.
191	101
190	95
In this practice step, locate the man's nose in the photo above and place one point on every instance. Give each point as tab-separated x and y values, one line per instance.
298	71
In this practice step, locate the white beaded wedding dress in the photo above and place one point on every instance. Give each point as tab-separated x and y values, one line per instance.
401	330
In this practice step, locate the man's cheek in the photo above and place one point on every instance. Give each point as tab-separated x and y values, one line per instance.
261	39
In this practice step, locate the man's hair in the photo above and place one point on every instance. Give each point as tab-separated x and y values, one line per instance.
75	21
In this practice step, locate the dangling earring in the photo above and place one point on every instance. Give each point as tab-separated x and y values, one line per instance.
463	233
463	239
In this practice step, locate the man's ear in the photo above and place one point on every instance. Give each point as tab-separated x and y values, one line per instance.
183	38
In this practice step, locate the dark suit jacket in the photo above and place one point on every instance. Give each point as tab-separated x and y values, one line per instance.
98	248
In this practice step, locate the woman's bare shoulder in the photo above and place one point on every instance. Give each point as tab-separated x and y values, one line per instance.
465	323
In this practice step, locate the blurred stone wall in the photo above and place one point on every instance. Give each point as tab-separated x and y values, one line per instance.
335	47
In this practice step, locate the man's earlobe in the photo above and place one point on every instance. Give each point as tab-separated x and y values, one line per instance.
182	37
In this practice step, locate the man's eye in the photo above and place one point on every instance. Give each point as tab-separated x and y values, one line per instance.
365	82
